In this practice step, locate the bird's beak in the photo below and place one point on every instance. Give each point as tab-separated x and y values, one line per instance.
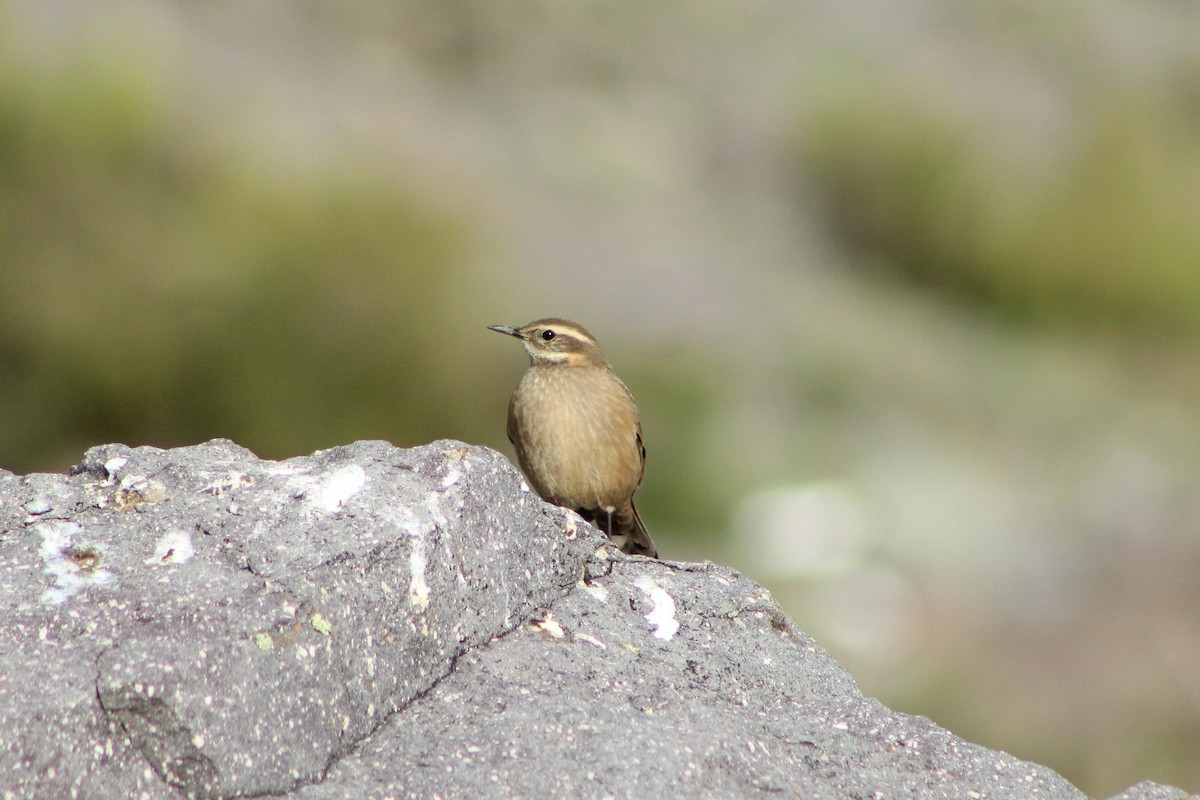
511	331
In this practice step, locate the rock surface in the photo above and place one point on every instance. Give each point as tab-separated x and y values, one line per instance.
371	622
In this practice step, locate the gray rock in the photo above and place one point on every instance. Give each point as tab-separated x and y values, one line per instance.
375	622
1148	790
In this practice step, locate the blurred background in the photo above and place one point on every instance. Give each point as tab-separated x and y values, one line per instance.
908	291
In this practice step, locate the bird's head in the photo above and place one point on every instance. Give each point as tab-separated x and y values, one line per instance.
556	341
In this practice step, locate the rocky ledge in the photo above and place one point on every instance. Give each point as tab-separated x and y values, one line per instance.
372	622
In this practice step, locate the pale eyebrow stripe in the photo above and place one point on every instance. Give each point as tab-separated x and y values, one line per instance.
573	332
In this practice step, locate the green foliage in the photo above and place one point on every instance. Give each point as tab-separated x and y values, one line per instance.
683	485
162	288
1101	226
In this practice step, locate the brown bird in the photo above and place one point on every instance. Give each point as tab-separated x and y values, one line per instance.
577	430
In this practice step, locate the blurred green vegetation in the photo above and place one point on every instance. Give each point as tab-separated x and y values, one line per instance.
677	400
163	286
1099	226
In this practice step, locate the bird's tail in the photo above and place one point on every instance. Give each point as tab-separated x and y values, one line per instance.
625	529
637	538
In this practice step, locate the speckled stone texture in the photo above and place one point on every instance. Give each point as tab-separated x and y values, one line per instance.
372	622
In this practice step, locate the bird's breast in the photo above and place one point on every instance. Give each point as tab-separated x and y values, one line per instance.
578	436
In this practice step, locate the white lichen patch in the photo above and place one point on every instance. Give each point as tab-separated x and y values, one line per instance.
549	625
111	467
570	529
587	637
172	548
226	482
73	566
37	507
418	589
56	537
596	590
662	609
138	490
452	477
339	486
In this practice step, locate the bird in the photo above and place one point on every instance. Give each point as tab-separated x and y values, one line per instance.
577	430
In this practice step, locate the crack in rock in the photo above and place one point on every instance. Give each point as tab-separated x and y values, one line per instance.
168	745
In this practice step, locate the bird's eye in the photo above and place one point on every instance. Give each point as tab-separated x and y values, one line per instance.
548	335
